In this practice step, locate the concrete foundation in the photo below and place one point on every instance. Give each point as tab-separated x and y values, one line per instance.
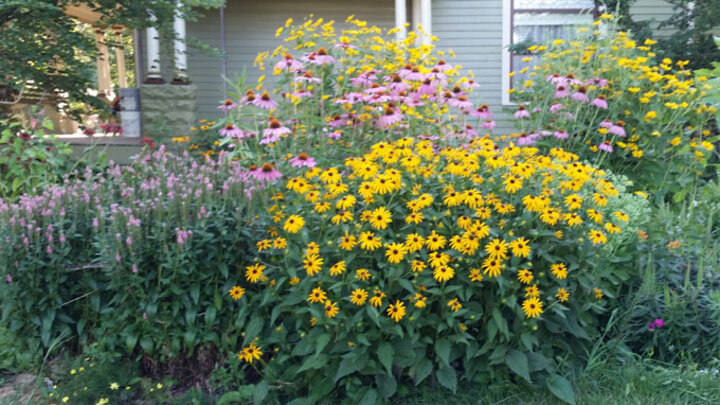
167	110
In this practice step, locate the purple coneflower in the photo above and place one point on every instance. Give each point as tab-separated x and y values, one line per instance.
389	117
596	81
265	102
232	131
375	89
319	57
571	80
248	98
561	92
289	63
580	95
469	84
488	124
266	173
606	146
275	130
461	102
302	160
481	112
307	78
427	88
555	78
413	100
365	79
405	70
377	98
555	107
345	45
521	112
335	134
561	134
302	93
600	102
227	105
415	75
398	84
470	132
606	124
618	128
526	139
442	66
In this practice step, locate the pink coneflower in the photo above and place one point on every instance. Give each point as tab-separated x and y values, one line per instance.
469	84
436	74
232	131
289	63
345	45
580	95
555	107
571	80
389	117
457	91
561	134
600	102
606	146
274	131
525	139
481	112
461	102
618	128
405	70
319	57
375	89
470	132
555	78
427	88
415	75
266	173
302	160
265	102
606	124
335	134
521	112
398	84
248	98
413	100
442	66
365	79
377	98
337	121
596	81
561	92
302	93
488	124
227	105
307	78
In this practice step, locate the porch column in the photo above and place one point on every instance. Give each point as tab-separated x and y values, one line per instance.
153	75
400	19
180	49
120	57
103	63
426	20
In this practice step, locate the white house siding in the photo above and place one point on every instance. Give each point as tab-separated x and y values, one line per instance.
655	11
250	27
473	30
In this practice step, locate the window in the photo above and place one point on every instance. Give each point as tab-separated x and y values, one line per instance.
528	22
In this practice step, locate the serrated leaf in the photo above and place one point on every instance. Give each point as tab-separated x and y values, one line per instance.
561	388
385	354
447	377
442	348
518	363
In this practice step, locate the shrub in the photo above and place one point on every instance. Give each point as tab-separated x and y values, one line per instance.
606	98
408	262
140	256
29	159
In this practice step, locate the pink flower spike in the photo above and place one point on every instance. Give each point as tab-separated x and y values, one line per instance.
302	160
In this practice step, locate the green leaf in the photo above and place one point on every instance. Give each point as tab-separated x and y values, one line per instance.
253	328
385	354
442	348
313	362
387	386
561	388
447	377
349	365
131	342
518	363
370	398
244	393
261	391
422	370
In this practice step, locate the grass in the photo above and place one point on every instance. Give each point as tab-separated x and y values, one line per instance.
636	382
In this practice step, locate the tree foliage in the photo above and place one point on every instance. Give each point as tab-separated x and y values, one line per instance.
42	46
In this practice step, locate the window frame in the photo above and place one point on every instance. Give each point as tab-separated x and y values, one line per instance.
508	25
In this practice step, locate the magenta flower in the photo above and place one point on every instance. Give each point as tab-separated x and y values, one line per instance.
580	95
335	134
227	105
555	107
302	160
606	124
606	146
600	102
267	173
657	323
618	129
521	112
289	63
232	131
561	92
265	102
560	134
481	112
390	117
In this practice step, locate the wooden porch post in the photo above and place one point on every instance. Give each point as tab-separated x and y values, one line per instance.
103	63
120	57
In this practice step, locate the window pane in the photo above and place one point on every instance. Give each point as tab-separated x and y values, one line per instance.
529	4
536	28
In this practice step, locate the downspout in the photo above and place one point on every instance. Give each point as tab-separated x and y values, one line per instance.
223	47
